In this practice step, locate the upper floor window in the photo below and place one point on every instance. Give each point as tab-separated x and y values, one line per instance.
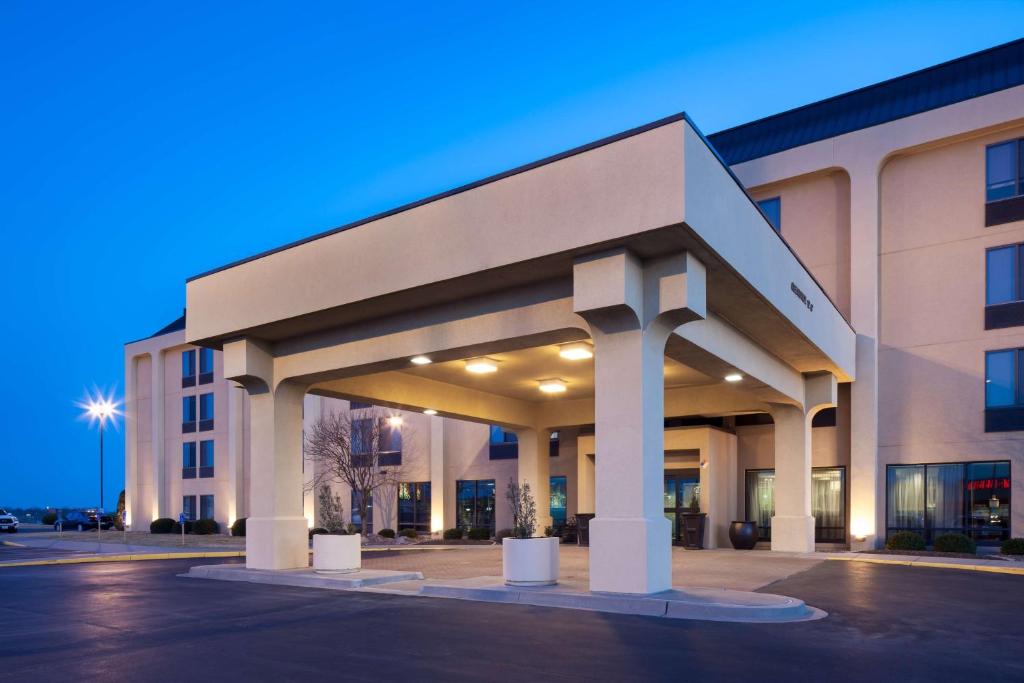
503	445
188	414
1004	390
1004	182
205	366
205	458
358	405
1004	170
205	412
188	368
773	209
388	436
1004	287
188	460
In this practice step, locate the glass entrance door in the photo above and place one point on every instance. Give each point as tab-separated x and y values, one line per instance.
682	487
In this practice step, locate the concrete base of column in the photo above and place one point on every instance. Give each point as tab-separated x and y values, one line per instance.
793	534
276	543
630	555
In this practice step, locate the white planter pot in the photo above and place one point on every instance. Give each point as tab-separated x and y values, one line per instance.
337	554
530	561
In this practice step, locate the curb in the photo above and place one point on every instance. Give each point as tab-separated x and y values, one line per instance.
12	544
1019	571
121	558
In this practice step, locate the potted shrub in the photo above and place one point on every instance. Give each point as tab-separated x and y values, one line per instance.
694	522
527	560
337	554
743	535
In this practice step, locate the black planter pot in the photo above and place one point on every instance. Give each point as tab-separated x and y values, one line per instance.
743	535
693	529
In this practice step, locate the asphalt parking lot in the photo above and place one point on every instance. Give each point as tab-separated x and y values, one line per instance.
141	621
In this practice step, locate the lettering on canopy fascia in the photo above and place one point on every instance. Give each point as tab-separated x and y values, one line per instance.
800	295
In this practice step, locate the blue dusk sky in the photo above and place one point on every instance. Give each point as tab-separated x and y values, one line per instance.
144	142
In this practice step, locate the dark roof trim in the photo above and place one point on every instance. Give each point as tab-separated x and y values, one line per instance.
957	80
175	326
458	190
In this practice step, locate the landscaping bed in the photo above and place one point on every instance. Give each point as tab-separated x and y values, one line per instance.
933	553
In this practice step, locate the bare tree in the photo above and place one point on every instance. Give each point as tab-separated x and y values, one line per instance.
358	449
524	510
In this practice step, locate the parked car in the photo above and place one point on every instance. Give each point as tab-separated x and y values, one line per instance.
82	521
8	522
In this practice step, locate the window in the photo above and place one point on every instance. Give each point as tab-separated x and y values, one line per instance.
188	460
474	504
188	414
773	210
970	498
205	507
357	516
206	412
503	445
553	445
358	405
389	446
205	459
414	506
1004	287
682	489
188	507
205	366
1004	390
828	502
558	502
188	368
1004	182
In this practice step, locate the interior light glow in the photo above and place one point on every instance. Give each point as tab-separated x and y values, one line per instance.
733	377
420	360
395	420
430	411
552	386
481	366
576	351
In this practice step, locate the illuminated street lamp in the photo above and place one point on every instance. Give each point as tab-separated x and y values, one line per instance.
101	409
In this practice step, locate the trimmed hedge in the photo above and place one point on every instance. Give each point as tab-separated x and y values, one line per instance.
409	533
164	525
478	534
204	527
386	533
905	540
317	530
955	543
452	534
1014	546
49	518
238	528
502	534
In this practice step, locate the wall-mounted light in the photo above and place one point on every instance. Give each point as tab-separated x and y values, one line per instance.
703	464
733	377
860	529
420	360
430	411
481	366
395	420
576	351
552	386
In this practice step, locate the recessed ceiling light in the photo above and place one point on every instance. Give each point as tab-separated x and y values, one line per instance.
430	411
576	351
733	377
420	360
481	366
552	386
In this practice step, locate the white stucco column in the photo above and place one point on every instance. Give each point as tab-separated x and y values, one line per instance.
131	444
793	524
276	530
534	468
631	307
236	475
438	486
585	474
158	392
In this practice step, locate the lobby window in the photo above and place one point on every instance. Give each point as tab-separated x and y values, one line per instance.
773	209
474	504
206	412
206	507
1004	182
188	414
205	366
828	502
558	504
503	445
188	368
414	506
188	507
357	517
205	459
1004	390
1004	288
971	498
188	460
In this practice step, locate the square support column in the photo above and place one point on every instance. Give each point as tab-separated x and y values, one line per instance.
534	468
438	471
